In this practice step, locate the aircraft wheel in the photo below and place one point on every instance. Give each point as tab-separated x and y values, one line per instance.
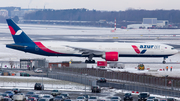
86	61
93	61
164	62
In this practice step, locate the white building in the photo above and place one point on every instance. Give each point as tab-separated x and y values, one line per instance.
161	23
138	26
149	22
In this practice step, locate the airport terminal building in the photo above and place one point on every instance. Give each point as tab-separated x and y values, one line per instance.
149	23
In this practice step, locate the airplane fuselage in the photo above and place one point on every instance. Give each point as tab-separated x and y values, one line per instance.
124	49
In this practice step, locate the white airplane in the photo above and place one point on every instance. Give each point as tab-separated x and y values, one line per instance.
110	51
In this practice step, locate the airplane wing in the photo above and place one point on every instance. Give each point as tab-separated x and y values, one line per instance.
86	51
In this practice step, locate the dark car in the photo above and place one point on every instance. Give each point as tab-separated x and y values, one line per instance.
25	74
38	86
59	98
67	100
95	89
29	94
101	80
37	96
10	93
171	99
16	90
143	96
128	97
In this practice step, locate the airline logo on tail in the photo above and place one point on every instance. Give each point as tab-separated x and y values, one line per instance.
136	49
13	32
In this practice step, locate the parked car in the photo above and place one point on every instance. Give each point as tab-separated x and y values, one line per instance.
1	96
59	98
93	98
10	93
81	98
38	86
5	73
29	94
143	96
95	89
37	96
48	97
171	99
55	92
6	99
87	97
31	99
151	97
19	97
101	80
43	99
163	100
25	74
150	100
66	95
103	100
16	90
115	98
128	97
5	95
156	99
67	100
38	70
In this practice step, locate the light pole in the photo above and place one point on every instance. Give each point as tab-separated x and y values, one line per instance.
85	83
166	81
42	84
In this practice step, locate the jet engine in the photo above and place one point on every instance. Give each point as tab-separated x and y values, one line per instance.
110	56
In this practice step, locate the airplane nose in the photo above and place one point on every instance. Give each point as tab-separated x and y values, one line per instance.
176	51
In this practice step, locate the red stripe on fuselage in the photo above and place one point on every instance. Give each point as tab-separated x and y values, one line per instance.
41	46
12	30
136	49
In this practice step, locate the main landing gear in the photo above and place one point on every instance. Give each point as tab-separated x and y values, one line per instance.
90	60
164	60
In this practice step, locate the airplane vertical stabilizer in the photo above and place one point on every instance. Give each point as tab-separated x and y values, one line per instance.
18	35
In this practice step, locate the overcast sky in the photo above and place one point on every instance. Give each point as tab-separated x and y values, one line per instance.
105	5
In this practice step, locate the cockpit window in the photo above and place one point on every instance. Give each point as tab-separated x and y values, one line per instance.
172	48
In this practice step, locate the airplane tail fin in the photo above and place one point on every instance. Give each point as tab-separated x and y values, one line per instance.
18	35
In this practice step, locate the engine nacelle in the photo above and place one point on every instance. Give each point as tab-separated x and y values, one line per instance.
111	56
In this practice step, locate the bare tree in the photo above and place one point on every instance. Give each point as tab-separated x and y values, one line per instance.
11	63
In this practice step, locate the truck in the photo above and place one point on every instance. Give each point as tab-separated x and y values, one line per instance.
101	64
141	67
117	65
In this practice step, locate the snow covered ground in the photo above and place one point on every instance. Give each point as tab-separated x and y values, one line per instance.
29	82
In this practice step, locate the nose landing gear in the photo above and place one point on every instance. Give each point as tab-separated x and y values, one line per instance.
164	60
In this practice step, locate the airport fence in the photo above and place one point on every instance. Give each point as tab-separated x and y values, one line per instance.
167	86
